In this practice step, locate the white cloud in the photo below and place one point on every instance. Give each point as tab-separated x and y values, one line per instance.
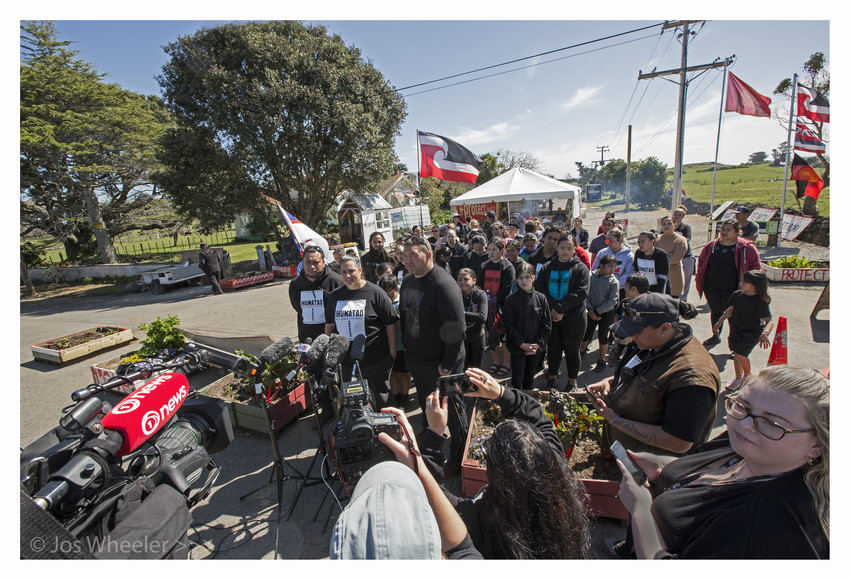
477	137
580	97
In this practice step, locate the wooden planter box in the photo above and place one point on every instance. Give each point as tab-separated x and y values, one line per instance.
106	370
285	271
601	494
236	283
41	352
251	415
795	274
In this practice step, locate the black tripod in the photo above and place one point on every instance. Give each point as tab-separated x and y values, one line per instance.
321	451
277	468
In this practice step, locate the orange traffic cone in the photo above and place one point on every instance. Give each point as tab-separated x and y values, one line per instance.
779	350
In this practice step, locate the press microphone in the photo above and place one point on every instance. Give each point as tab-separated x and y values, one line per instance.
313	354
334	355
358	347
274	353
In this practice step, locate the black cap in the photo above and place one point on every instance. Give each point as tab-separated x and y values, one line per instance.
650	309
742	209
491	214
513	224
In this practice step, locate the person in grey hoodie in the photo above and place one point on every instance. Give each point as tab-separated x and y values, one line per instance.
623	252
601	306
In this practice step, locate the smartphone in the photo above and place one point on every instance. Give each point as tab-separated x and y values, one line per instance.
455	385
620	453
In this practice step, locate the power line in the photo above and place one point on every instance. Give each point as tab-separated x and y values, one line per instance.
528	57
528	66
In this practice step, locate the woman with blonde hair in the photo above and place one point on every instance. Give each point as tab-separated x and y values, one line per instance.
761	491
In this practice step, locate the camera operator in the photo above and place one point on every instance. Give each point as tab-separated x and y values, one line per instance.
360	307
309	291
434	328
531	487
399	511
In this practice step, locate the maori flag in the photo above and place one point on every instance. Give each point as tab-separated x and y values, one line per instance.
812	104
809	183
741	98
806	140
446	159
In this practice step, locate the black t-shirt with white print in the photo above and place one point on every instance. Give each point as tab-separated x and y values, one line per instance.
368	311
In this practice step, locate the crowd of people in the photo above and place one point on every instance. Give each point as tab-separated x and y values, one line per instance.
431	306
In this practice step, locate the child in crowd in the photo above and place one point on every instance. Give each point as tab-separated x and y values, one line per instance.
528	323
477	253
497	279
475	313
512	248
749	321
383	269
399	375
601	307
443	257
529	245
623	252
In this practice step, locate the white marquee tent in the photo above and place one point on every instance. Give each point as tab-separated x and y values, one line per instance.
520	186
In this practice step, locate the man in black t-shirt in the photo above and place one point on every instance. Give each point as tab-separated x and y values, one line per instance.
433	329
749	230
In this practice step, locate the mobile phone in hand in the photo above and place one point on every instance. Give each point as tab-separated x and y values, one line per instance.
636	472
455	385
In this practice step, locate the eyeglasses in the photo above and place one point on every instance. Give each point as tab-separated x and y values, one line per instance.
770	429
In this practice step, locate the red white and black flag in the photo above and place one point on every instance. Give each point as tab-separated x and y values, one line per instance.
809	183
742	98
812	104
806	140
446	159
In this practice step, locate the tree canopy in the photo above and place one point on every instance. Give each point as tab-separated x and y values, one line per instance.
273	108
86	147
504	160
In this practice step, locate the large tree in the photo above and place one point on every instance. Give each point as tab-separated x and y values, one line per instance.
274	108
649	182
816	76
86	147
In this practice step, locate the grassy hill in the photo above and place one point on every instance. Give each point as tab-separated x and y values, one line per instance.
754	184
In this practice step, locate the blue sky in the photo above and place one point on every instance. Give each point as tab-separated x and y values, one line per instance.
560	111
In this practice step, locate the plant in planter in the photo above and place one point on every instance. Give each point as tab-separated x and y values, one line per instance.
286	399
162	341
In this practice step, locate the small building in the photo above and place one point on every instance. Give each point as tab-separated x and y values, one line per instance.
361	214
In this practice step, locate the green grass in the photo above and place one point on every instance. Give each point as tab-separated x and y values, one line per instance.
752	186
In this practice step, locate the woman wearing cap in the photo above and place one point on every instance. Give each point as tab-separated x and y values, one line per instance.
761	491
720	270
662	395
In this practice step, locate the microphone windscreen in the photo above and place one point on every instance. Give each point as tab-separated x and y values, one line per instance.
317	350
336	351
275	352
358	347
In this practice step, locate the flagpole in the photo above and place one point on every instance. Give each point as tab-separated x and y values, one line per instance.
717	146
787	160
418	178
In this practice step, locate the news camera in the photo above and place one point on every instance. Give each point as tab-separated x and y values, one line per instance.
354	444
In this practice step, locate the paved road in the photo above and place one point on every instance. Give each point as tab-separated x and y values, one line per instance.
252	528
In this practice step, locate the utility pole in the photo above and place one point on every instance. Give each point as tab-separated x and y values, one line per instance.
683	95
629	169
602	151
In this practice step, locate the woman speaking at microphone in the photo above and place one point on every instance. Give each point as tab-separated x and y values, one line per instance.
360	307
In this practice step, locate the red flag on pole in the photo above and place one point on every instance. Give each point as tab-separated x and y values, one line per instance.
741	98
